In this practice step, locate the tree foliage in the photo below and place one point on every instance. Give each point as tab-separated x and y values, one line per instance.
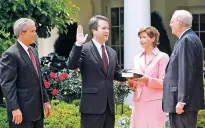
46	13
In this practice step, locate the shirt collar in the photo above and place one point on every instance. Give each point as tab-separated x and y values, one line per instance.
184	32
155	51
23	45
97	44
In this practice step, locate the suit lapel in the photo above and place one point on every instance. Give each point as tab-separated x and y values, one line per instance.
37	61
173	53
26	58
111	60
142	61
96	54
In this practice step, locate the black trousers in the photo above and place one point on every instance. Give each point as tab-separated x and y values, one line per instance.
184	120
105	120
29	124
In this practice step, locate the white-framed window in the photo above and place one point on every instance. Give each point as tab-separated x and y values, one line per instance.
198	26
117	32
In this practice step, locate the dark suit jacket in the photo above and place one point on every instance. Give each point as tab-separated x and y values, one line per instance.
21	85
97	85
183	81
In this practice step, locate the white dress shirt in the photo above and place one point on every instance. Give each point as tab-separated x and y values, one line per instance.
183	32
24	47
99	48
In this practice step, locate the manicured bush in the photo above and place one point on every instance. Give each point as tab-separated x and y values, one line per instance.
76	102
3	118
63	115
123	120
201	119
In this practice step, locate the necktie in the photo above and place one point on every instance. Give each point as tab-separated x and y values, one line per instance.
33	59
104	58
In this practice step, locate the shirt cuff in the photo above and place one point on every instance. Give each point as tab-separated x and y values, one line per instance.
182	103
78	44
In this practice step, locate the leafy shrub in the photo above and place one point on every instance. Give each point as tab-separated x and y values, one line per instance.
201	119
76	102
121	90
123	120
6	40
59	81
3	118
63	116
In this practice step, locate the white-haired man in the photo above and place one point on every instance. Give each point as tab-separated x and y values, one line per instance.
183	93
21	79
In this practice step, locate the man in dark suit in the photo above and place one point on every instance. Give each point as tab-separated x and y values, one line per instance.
1	99
183	92
99	67
21	79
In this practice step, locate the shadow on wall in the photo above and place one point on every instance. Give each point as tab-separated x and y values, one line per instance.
65	41
156	21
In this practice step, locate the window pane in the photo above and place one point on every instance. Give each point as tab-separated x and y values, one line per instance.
115	36
121	16
202	37
117	49
115	16
195	24
204	57
122	35
197	33
122	55
202	22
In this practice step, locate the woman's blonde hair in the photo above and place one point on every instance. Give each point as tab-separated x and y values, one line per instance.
151	32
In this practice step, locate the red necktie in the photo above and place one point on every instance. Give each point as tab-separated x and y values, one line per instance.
33	59
104	58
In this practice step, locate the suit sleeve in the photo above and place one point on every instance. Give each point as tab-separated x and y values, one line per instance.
8	71
118	71
75	57
45	95
157	83
186	60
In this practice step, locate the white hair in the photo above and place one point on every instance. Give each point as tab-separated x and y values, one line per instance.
183	16
20	25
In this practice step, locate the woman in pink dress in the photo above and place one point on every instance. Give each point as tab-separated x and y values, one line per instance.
147	101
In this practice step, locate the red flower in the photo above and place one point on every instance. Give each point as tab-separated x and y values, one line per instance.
54	92
76	70
60	77
53	75
65	75
46	84
122	83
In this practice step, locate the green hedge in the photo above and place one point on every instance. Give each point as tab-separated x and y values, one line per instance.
3	118
63	115
201	119
66	115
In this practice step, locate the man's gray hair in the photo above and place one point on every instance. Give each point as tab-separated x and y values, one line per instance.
183	16
20	25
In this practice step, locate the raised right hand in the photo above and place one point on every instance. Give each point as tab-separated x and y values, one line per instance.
17	116
80	38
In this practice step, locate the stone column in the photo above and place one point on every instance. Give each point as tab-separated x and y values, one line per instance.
136	16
